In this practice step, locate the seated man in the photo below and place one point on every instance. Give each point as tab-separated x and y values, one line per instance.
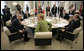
65	15
75	23
15	16
42	25
17	27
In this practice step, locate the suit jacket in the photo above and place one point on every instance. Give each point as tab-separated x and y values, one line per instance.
58	9
25	16
73	25
16	26
27	8
54	10
47	9
66	16
21	12
6	14
15	16
82	13
61	9
43	26
18	7
40	10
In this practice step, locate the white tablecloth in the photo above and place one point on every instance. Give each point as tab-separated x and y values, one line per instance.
56	22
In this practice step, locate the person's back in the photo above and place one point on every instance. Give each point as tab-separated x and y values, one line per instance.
43	26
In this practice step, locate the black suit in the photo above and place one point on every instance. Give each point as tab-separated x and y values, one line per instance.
27	8
40	10
82	13
61	9
54	11
58	9
65	16
6	15
47	10
16	26
21	12
73	25
15	16
70	28
18	7
25	16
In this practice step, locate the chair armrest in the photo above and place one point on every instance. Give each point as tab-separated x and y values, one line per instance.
70	32
14	33
70	35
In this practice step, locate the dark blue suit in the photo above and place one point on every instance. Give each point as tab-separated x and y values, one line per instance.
16	26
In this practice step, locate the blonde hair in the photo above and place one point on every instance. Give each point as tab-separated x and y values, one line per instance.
41	15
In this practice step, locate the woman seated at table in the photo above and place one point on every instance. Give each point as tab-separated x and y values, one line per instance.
42	25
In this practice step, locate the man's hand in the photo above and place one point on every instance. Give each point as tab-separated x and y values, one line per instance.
63	30
21	31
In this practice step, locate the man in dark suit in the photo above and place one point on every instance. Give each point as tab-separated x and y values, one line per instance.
21	12
82	13
75	23
27	8
47	10
26	15
6	14
18	7
61	9
65	15
19	28
15	16
58	9
40	10
54	10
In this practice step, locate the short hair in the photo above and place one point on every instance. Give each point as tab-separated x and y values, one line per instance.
77	15
16	11
5	5
41	15
19	15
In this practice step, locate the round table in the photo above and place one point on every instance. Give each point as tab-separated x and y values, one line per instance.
56	22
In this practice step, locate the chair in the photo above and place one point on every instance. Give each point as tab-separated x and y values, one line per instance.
11	36
43	38
8	24
73	36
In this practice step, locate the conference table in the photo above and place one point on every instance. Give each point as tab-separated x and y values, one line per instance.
57	23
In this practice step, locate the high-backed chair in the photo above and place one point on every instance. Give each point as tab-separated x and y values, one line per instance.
43	38
11	36
73	35
8	24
